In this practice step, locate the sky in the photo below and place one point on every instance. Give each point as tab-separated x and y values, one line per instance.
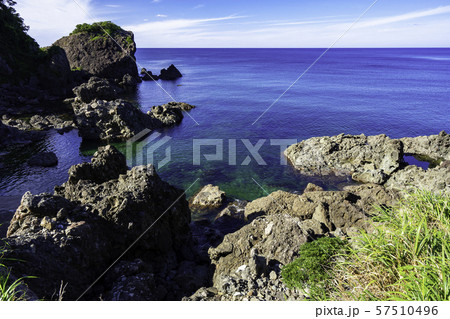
250	23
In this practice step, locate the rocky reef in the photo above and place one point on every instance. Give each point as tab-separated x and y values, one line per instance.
118	120
70	237
376	159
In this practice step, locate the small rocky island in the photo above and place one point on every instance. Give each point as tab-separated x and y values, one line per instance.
67	238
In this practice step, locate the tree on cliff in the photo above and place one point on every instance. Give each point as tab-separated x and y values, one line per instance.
18	51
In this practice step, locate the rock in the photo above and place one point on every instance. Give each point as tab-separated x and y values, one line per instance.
170	113
53	74
11	135
209	197
76	233
331	209
119	120
250	244
369	159
434	146
436	180
106	164
312	188
148	75
116	120
99	55
44	159
96	88
171	73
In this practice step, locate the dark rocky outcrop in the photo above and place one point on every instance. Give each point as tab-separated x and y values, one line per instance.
148	75
39	122
100	55
171	113
96	88
73	235
171	73
110	120
44	159
119	120
10	135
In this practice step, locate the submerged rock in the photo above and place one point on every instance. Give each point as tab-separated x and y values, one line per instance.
44	159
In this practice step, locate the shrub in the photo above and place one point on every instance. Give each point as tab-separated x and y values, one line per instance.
97	28
312	268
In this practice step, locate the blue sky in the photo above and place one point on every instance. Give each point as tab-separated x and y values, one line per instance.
250	23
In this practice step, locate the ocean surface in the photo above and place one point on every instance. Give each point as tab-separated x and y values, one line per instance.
398	92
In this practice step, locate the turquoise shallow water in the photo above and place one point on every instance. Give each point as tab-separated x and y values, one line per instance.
399	92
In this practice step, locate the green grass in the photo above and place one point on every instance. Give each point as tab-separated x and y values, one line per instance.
9	289
405	257
311	270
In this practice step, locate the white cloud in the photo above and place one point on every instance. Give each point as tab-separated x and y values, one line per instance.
404	17
51	19
161	16
199	6
113	5
156	1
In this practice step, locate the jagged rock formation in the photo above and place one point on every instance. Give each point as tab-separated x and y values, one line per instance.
76	233
369	159
119	120
171	73
376	159
96	88
170	113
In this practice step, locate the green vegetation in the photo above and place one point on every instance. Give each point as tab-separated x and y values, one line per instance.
129	40
405	257
9	290
18	50
312	269
97	29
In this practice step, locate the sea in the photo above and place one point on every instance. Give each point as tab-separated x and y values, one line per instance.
250	104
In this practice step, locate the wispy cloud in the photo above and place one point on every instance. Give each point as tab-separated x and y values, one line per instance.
161	16
156	1
113	5
404	17
198	6
52	19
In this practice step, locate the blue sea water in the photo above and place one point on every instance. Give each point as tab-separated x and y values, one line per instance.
399	92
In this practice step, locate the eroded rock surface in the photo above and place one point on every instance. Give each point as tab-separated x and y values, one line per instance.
209	197
369	159
76	233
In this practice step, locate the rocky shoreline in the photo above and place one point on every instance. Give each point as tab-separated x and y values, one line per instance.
139	228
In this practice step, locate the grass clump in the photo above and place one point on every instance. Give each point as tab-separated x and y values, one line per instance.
311	270
10	290
406	257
